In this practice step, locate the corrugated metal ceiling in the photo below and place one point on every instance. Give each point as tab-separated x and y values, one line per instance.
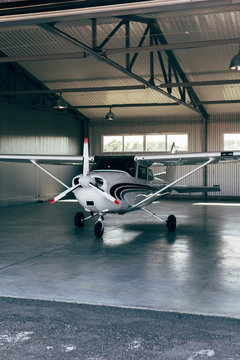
198	64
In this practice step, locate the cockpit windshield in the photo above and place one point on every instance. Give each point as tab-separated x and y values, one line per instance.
124	163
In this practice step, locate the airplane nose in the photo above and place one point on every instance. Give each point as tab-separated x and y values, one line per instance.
84	180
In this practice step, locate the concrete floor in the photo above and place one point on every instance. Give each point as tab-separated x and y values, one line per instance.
136	264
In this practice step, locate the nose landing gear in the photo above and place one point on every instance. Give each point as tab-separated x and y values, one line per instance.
79	220
99	227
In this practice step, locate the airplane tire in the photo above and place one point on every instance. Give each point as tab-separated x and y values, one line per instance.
171	223
99	229
79	219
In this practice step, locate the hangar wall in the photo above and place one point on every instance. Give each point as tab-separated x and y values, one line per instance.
31	130
227	175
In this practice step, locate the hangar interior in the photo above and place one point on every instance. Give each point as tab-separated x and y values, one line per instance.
162	68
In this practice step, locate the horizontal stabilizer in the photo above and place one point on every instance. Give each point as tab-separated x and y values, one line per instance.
193	189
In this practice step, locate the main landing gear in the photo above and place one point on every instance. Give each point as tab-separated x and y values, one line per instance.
171	223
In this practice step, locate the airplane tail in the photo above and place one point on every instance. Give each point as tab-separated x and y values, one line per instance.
85	157
169	173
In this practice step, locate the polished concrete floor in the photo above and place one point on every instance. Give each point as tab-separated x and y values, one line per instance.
136	263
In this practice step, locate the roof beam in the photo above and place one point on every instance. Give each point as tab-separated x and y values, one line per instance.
200	83
213	102
71	90
88	9
177	46
107	52
101	57
124	105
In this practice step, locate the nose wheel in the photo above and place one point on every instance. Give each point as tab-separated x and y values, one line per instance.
99	227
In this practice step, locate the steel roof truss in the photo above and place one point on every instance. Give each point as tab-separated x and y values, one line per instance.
134	58
100	55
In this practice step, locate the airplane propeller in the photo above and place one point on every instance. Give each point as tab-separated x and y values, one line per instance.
85	180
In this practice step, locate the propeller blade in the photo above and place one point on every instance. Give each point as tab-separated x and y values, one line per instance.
85	157
104	193
64	193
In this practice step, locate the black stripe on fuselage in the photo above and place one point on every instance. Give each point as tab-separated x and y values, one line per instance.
116	190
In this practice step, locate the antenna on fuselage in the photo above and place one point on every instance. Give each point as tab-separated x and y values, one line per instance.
173	148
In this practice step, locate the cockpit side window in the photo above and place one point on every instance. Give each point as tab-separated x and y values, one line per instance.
142	172
150	174
123	163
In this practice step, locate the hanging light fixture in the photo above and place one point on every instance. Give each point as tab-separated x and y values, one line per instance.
235	62
61	104
110	115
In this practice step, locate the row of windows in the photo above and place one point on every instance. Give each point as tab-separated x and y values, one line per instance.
161	142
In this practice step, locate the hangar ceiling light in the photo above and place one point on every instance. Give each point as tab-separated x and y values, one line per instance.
110	115
235	62
61	104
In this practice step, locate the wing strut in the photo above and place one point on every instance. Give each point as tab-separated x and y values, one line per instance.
152	214
171	184
47	172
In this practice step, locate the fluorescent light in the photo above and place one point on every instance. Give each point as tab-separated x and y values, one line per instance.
217	204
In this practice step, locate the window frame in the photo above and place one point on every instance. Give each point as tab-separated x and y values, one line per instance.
144	143
230	133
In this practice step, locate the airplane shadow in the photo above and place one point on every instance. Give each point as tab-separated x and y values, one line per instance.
142	235
153	231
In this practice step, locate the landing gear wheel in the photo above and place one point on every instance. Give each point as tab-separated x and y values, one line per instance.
99	229
79	219
171	223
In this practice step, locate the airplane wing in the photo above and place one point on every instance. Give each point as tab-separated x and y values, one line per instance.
203	159
188	158
47	159
50	160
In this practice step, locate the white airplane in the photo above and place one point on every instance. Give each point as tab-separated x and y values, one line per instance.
120	184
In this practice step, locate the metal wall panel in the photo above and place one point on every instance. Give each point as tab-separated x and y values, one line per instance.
227	175
31	131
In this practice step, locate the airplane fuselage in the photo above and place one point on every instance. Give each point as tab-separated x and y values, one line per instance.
126	189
